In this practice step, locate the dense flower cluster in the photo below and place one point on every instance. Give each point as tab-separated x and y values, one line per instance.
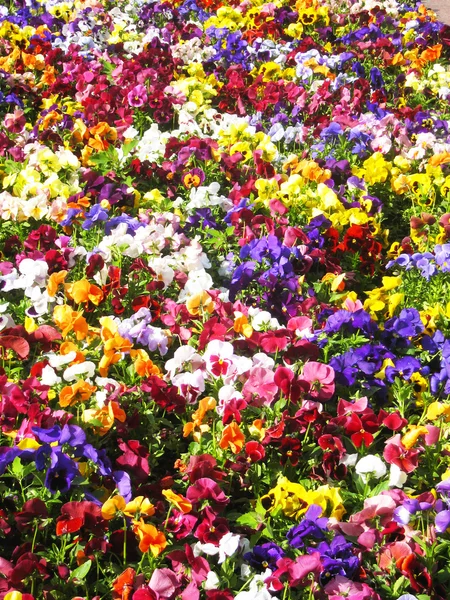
224	300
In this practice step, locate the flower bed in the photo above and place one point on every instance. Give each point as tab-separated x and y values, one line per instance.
224	300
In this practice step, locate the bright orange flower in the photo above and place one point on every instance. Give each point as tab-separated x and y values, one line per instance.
180	502
233	438
112	506
84	291
442	158
48	77
105	416
80	391
54	282
204	406
50	119
432	53
149	538
101	135
123	585
70	320
31	61
114	345
143	365
241	324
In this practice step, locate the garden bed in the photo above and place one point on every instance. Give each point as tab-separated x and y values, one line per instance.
224	300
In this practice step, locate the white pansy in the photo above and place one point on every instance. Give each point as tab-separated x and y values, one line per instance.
211	582
370	466
59	360
86	368
349	460
49	376
183	355
397	477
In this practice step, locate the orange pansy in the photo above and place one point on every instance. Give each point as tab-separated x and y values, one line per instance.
69	320
105	416
84	291
54	281
232	438
180	502
80	391
149	538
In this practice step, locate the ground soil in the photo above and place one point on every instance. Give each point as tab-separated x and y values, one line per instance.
441	8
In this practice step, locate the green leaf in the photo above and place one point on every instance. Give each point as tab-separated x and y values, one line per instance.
17	467
127	148
398	585
268	532
250	519
80	572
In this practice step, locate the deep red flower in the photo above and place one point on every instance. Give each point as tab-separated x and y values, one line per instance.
290	451
203	465
134	459
33	510
212	528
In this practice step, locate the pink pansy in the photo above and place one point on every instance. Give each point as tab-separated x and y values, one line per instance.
199	567
346	408
260	388
191	592
351	305
321	379
180	524
302	326
432	437
340	587
137	96
296	570
274	341
164	583
377	506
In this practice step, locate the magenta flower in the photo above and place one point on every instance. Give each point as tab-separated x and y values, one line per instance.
297	570
207	489
137	96
395	453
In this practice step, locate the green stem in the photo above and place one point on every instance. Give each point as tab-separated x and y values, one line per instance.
124	541
33	543
168	515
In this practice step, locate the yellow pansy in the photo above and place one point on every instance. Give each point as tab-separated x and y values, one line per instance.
414	432
112	507
293	499
139	506
376	169
438	409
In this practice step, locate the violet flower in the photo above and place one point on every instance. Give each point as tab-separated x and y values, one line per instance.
311	525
